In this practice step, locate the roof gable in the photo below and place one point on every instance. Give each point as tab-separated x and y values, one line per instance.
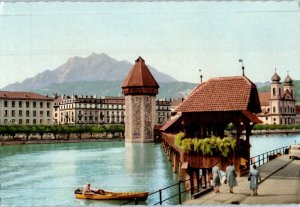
220	94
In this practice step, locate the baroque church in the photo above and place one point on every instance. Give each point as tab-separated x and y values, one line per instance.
279	105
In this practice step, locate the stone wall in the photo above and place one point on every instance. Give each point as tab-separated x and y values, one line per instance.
140	116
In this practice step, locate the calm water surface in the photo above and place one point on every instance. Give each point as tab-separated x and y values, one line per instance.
48	174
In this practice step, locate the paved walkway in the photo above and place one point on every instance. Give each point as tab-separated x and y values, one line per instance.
242	193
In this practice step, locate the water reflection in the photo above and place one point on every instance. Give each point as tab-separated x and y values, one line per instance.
48	174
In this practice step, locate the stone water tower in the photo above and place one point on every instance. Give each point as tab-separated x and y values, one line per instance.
140	89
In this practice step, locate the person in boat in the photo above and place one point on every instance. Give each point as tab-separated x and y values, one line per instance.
87	189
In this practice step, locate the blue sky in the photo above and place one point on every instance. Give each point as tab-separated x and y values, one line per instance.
177	38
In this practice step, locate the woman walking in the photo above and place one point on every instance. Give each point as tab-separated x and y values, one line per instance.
216	182
254	175
231	177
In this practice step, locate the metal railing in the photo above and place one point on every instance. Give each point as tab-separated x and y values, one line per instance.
159	193
263	158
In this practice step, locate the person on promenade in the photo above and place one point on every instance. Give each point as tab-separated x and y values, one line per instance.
231	177
216	182
254	176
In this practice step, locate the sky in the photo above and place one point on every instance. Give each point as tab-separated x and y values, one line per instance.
177	38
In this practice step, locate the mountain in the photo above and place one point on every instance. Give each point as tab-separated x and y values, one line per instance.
92	68
113	88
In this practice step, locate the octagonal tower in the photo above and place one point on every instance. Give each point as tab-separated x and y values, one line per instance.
140	89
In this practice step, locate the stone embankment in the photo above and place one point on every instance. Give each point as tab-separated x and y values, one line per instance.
50	138
276	131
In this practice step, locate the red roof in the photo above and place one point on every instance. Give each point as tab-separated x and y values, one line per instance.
264	98
221	94
23	96
139	76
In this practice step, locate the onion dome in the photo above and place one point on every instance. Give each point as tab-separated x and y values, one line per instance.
275	78
139	80
288	81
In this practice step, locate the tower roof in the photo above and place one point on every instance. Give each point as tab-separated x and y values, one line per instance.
288	81
139	79
275	78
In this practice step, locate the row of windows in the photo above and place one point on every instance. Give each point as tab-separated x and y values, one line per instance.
26	104
283	109
91	119
27	113
26	121
92	106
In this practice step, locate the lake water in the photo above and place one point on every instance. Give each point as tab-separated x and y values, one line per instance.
48	174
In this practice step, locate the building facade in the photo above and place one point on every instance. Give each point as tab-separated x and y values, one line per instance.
88	110
279	105
25	108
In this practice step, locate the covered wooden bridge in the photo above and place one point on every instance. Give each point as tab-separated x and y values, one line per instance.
209	109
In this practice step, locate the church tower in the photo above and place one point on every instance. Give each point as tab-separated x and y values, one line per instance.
276	94
140	89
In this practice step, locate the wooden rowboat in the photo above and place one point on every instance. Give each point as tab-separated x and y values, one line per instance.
141	196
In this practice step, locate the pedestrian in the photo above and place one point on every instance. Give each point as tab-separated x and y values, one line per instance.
216	181
231	177
254	176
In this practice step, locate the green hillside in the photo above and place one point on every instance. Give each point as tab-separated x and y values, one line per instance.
113	88
296	90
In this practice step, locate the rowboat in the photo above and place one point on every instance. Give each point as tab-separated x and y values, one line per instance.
106	195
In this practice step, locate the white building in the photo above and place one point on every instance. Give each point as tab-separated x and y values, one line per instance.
25	108
278	105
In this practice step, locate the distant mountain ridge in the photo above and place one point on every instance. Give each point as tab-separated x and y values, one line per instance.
92	68
167	90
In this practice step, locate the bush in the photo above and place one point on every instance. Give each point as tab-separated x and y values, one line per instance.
207	146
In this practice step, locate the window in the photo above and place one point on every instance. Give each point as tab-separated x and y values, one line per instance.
274	109
27	121
5	103
34	104
48	113
274	92
20	121
5	113
20	112
41	113
27	113
34	113
41	104
34	121
13	104
48	105
27	104
13	113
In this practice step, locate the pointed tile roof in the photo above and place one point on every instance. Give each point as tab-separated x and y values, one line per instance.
222	94
140	80
140	76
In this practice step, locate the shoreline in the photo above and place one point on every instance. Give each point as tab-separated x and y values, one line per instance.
52	141
105	139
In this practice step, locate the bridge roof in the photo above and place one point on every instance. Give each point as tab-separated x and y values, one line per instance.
236	93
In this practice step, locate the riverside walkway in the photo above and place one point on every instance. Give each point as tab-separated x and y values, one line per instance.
280	185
